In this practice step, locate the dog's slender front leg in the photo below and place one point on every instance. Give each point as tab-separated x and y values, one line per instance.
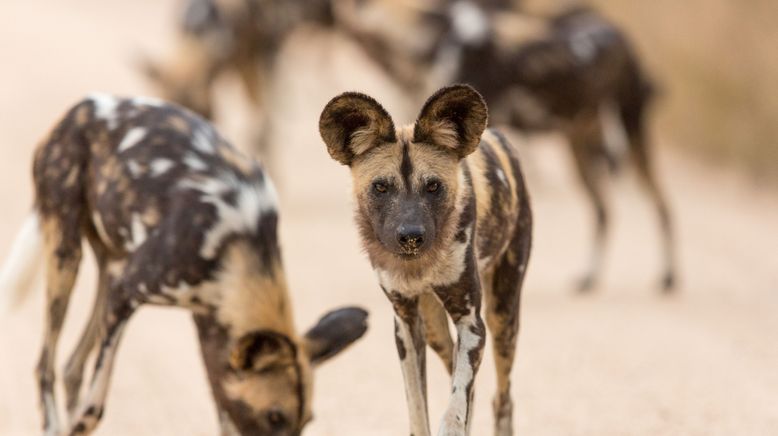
411	349
463	304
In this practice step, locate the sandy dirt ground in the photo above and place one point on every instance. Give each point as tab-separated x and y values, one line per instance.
622	361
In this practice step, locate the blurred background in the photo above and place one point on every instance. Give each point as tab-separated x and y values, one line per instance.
622	360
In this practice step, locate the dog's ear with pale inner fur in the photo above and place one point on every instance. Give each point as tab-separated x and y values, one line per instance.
353	123
454	118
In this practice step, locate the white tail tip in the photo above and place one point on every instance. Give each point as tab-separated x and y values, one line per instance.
19	270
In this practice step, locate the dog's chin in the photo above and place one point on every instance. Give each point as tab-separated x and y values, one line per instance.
410	255
407	257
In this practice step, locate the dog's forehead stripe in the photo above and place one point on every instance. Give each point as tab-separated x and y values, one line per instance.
406	166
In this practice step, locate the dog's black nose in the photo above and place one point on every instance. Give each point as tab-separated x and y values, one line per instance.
410	237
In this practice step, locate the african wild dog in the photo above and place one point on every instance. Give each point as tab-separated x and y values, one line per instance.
229	36
219	38
176	217
443	213
572	72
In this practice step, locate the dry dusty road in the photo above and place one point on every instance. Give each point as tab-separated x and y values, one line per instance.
623	361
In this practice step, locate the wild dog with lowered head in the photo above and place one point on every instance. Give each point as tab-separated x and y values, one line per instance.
443	214
176	217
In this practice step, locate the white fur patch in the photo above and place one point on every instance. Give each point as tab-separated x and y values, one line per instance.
193	162
132	137
19	270
97	220
115	268
470	22
252	201
105	108
160	166
202	143
148	101
138	233
583	48
51	413
135	168
501	176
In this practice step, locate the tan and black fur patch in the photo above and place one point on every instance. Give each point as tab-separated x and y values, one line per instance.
444	216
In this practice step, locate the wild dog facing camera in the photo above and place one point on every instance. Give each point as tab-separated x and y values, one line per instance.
445	219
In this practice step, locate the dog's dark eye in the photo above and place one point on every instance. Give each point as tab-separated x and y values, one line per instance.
276	419
380	187
433	186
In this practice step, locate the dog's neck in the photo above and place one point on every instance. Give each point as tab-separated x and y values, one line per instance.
253	296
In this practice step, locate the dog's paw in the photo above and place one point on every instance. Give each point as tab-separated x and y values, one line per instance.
585	284
453	425
503	415
668	283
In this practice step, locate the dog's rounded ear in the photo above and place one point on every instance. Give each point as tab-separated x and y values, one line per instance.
262	350
334	332
453	118
353	123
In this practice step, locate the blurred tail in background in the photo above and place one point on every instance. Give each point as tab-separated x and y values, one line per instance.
19	270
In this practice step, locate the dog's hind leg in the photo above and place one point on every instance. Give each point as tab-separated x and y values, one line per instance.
668	249
59	174
502	296
436	329
587	155
634	119
62	242
74	369
118	312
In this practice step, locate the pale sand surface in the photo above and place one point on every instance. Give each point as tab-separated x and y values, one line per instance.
623	361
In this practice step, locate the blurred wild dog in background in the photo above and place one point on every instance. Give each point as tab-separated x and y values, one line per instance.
572	72
445	219
176	217
217	38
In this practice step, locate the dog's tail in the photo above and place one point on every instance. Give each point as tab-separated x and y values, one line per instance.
20	269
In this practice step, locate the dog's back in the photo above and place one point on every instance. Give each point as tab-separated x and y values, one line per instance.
123	170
